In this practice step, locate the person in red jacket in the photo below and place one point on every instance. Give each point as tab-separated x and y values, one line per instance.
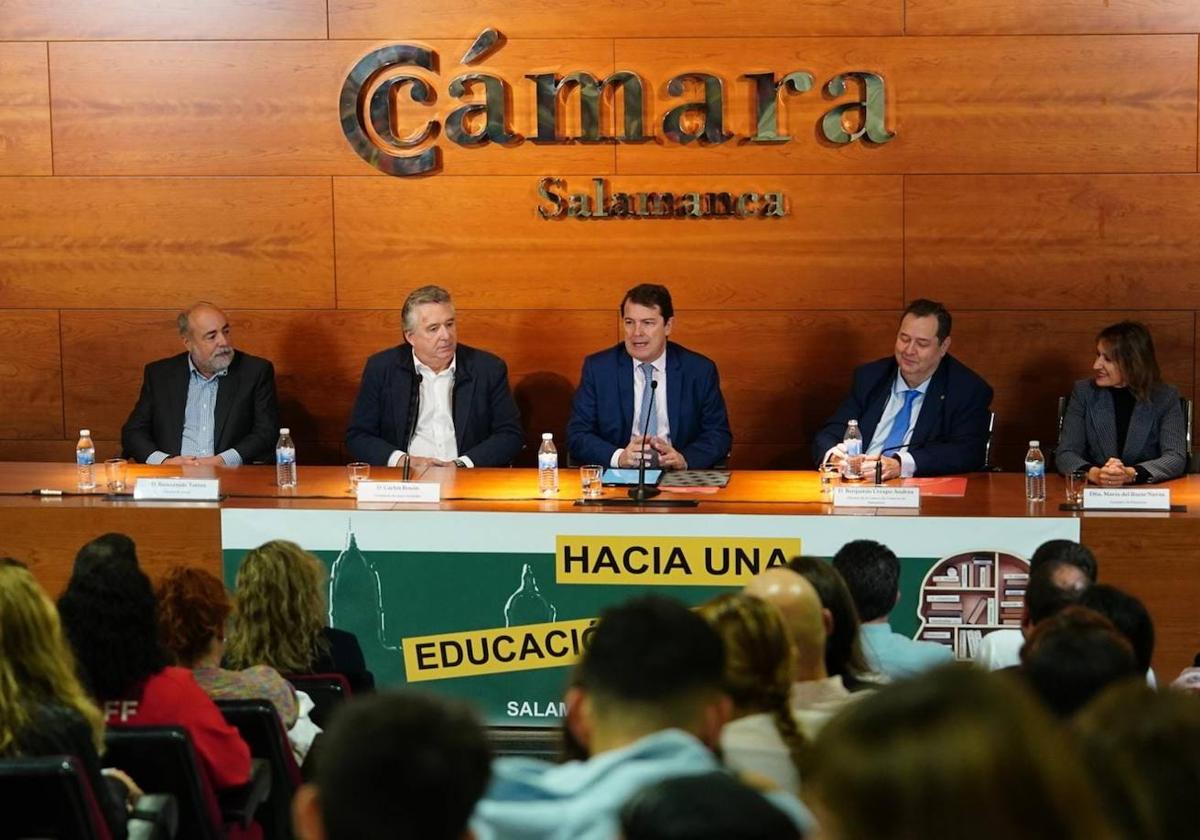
108	612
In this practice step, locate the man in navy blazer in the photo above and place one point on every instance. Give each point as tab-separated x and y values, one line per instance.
209	405
688	428
439	402
922	412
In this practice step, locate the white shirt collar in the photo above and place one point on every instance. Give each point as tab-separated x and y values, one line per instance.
426	370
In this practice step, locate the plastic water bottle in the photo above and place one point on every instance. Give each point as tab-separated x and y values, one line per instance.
547	466
1035	474
853	443
85	460
285	460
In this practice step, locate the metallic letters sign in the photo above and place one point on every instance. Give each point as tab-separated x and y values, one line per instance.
371	89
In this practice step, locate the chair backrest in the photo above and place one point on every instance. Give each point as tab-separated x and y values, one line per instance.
263	732
327	692
49	796
987	449
161	759
1189	409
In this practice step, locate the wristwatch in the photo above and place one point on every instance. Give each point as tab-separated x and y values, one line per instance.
460	463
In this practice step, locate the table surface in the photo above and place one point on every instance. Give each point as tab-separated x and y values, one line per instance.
783	492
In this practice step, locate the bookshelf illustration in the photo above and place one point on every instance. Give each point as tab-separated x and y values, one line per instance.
967	596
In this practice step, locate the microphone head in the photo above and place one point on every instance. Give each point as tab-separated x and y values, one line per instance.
653	384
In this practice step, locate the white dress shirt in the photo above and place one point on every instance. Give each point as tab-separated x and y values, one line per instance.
433	436
896	402
660	402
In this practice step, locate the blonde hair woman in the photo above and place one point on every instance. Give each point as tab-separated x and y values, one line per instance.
280	618
44	709
763	736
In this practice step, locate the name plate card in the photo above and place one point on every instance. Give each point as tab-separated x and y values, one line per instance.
177	489
399	491
1114	498
874	496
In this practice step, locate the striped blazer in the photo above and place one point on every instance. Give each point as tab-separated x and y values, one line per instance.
1156	438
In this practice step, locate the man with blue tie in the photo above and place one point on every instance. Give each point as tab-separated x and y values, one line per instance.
921	411
611	418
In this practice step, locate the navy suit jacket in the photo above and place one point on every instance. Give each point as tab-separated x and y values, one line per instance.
246	414
487	423
1156	439
602	412
951	432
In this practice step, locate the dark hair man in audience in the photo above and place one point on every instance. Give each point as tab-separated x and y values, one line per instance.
646	702
1130	617
209	405
872	574
921	411
437	401
396	766
711	806
688	427
1074	655
1002	648
816	696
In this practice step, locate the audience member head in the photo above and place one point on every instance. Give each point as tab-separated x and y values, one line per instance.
1128	615
651	664
192	609
1066	551
758	663
280	609
872	574
708	806
956	752
1129	347
36	664
1072	656
109	617
396	765
807	621
105	546
1143	750
843	651
1053	586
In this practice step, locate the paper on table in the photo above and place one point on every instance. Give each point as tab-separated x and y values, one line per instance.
951	485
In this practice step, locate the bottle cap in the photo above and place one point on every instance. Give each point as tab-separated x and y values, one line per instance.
285	431
1033	444
85	432
547	436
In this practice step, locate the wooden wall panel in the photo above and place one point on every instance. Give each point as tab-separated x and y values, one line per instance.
271	108
1032	17
318	359
69	242
1032	358
30	375
482	238
405	19
1054	242
24	110
1009	104
102	20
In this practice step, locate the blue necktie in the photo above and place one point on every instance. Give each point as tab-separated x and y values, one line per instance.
648	376
895	438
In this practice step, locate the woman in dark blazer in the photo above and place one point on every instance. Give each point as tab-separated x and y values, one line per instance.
1124	425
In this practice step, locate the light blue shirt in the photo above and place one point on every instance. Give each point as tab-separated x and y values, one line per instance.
898	656
896	402
530	799
199	419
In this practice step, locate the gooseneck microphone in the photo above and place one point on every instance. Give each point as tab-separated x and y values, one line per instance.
642	492
414	409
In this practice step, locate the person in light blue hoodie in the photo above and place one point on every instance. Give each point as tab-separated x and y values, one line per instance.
872	574
646	704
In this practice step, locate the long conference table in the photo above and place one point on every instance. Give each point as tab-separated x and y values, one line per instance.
1156	556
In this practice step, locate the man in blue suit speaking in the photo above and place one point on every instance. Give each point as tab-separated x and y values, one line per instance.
688	426
921	411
